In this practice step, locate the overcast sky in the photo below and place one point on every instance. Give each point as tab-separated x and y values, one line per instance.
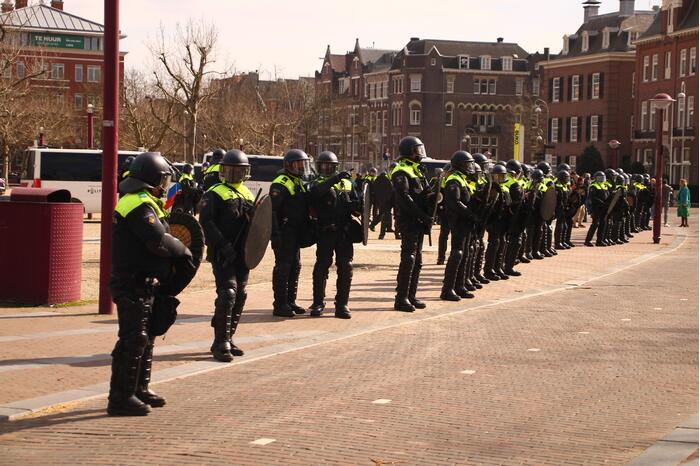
291	35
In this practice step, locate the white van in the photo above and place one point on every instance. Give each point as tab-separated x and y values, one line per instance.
77	170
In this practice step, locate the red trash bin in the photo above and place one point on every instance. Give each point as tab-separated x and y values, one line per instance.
41	242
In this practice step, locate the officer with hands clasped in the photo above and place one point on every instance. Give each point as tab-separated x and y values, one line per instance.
289	218
146	277
413	220
334	201
226	210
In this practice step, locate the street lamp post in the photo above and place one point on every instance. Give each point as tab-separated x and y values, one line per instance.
662	102
41	136
614	144
684	123
90	127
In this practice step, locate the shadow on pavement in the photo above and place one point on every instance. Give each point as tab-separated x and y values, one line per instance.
53	420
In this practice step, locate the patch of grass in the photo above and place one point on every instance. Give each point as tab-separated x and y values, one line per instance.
80	302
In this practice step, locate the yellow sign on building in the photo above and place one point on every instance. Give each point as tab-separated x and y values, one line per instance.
516	141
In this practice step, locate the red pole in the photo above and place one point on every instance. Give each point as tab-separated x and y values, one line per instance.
90	130
659	174
41	137
110	147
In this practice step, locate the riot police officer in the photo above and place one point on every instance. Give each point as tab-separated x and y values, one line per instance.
289	197
535	222
459	210
124	171
189	196
546	248
563	187
413	220
211	176
475	275
498	228
227	208
598	195
516	217
146	276
334	200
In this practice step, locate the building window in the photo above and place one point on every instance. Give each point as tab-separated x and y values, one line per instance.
652	116
669	20
93	43
486	62
492	86
594	128
415	114
667	66
432	62
78	101
555	89
575	87
645	70
398	84
20	70
648	159
507	63
684	62
565	45
93	73
463	61
355	86
449	114
366	89
645	115
25	39
691	111
606	39
450	88
655	67
518	87
680	120
693	60
485	86
78	73
554	136
584	41
416	82
6	69
58	71
536	87
573	129
595	86
384	122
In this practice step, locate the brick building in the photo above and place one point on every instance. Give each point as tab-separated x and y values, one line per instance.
666	61
588	86
70	50
452	94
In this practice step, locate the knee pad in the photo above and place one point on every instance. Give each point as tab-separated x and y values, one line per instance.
225	297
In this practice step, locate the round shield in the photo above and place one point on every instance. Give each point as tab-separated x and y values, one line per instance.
614	200
187	229
549	204
366	213
258	235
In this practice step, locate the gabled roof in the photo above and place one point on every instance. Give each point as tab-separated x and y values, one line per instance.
45	18
374	55
620	27
473	49
691	19
338	63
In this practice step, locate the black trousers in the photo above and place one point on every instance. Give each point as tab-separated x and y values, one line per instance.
456	268
411	261
285	274
597	227
231	296
330	242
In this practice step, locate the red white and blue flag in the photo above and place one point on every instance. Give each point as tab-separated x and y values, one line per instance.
173	191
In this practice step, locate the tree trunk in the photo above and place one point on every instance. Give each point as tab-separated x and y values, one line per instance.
6	164
193	151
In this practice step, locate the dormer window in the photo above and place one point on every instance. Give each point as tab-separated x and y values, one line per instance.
669	21
565	46
606	39
463	62
507	63
486	62
584	41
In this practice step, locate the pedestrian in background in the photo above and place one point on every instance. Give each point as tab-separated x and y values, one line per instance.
684	203
667	195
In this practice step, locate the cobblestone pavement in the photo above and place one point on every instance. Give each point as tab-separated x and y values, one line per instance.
549	368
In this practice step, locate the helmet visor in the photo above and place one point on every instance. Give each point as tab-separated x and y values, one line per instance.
300	168
420	151
326	168
164	183
600	178
235	173
498	177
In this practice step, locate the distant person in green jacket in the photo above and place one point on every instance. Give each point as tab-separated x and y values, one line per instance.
684	203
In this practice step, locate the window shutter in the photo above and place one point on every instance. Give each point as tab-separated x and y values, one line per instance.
590	85
600	128
567	130
602	85
549	130
551	89
588	128
578	129
570	86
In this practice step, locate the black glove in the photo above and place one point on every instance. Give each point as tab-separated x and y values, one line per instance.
226	255
344	175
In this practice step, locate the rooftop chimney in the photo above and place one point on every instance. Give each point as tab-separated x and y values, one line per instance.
499	40
21	3
546	53
414	39
6	6
57	4
626	7
590	9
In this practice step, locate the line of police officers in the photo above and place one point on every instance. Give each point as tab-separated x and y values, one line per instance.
151	267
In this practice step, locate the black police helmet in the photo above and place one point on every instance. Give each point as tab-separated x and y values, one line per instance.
187	168
149	170
563	167
326	163
610	173
527	169
462	161
481	159
563	176
499	169
544	167
411	145
127	162
296	162
537	175
502	163
637	178
235	167
513	166
217	155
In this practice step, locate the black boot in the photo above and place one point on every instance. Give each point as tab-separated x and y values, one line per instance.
403	283
454	263
144	393
342	295
122	398
280	279
236	314
221	347
293	286
413	288
319	292
490	261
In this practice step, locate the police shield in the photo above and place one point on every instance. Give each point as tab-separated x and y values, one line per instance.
187	229
549	204
257	237
614	200
366	213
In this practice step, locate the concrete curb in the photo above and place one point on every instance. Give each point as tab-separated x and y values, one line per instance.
28	407
674	448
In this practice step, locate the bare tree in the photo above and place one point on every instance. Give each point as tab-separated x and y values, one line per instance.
185	67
